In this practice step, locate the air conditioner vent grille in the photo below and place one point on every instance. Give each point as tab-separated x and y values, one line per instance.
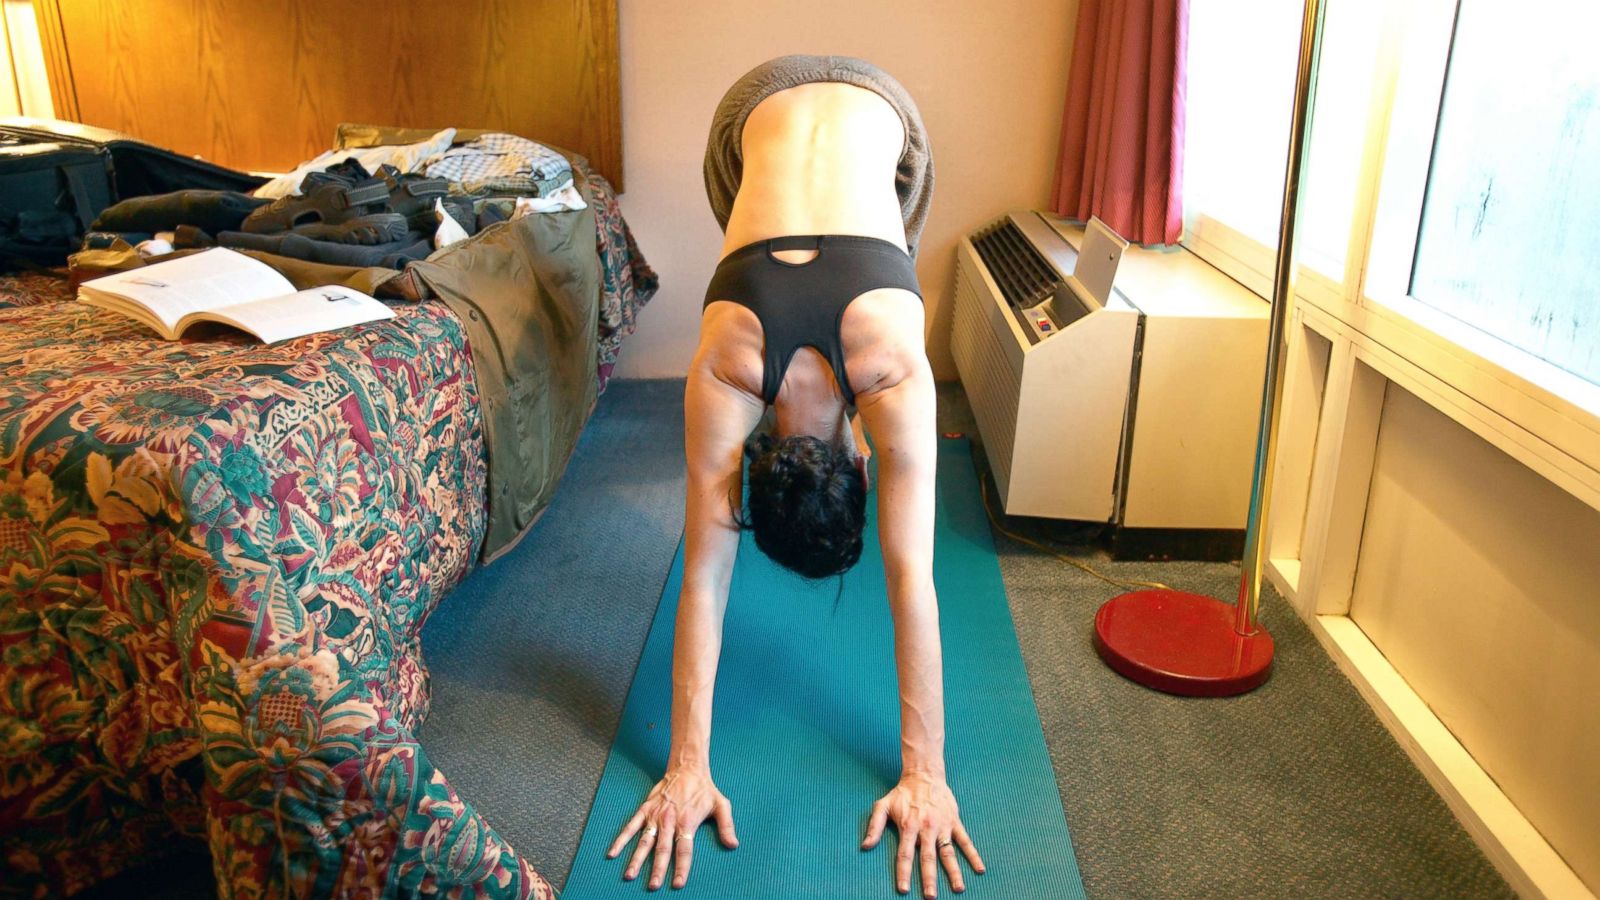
1025	279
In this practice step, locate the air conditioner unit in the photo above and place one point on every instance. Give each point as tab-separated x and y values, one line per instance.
1138	412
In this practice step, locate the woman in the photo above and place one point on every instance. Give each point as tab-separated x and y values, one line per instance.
818	171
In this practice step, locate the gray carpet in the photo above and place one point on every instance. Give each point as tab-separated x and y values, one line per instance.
1295	790
532	657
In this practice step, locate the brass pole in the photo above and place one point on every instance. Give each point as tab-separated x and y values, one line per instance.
1305	91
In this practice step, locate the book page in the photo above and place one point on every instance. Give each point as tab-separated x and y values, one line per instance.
126	307
208	281
319	309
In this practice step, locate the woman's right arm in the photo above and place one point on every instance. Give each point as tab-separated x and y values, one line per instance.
718	416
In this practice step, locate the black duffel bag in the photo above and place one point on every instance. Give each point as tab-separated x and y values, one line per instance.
56	177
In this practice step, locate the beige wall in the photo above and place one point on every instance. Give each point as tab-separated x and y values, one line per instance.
989	78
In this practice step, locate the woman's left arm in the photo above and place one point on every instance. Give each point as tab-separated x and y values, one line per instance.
901	420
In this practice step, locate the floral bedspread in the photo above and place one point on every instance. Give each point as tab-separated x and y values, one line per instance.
216	558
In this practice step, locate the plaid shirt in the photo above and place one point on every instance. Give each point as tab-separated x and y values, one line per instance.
499	162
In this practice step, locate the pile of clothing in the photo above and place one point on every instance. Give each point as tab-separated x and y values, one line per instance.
376	206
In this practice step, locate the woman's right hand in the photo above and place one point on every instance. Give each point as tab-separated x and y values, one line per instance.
666	823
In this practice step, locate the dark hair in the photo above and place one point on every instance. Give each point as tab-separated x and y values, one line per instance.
807	504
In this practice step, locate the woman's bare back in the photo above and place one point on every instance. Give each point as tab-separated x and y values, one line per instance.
819	158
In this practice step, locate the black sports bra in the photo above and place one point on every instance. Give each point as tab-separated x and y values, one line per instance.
803	304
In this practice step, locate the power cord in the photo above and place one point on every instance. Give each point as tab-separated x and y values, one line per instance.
994	522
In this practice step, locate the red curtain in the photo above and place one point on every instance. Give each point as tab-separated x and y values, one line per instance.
1122	134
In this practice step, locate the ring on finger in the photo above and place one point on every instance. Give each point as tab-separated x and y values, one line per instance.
649	833
943	843
678	837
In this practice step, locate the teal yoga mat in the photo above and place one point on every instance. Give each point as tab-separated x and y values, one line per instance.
805	731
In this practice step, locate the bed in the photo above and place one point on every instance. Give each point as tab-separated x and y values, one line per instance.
216	559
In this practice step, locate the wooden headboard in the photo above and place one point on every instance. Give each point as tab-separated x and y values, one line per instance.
261	85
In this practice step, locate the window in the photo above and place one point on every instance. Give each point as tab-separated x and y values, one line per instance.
1451	171
1510	233
1240	85
1241	73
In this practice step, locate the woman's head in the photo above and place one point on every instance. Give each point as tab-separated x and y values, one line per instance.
807	503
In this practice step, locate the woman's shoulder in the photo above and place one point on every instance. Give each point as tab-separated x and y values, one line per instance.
730	346
883	340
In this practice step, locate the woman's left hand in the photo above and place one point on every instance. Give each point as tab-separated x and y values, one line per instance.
924	810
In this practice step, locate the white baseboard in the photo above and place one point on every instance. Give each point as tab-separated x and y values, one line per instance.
1521	854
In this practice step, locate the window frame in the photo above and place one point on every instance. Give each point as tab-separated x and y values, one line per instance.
1550	412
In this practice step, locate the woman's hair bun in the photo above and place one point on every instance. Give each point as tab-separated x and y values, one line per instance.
806	504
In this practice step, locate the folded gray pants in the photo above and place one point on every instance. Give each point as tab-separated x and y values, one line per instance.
724	163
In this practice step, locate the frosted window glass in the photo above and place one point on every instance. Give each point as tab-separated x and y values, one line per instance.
1240	83
1510	236
1350	32
1241	73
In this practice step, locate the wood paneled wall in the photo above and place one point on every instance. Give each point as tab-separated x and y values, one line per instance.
261	85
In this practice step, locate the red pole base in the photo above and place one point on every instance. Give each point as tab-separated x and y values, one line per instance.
1181	644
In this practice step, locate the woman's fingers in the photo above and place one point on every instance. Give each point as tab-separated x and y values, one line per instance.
682	856
626	834
723	811
647	840
875	824
971	852
658	869
951	863
930	869
902	863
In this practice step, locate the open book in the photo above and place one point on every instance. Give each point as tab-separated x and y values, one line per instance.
221	285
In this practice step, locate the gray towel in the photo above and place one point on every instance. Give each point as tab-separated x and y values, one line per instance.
725	154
